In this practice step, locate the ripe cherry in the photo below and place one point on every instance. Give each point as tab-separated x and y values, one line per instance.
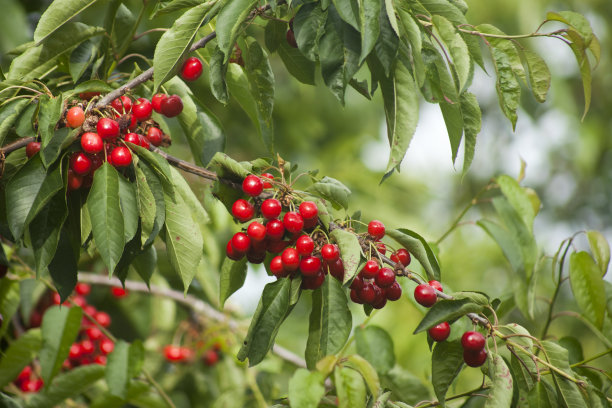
243	210
310	265
122	105
157	100
80	163
155	136
142	109
376	229
97	160
425	295
379	303
107	346
118	292
336	269
75	117
271	208
440	332
172	106
357	283
25	374
276	246
121	156
173	353
32	148
381	248
436	285
291	38
232	253
366	293
87	347
210	358
31	385
355	297
252	185
330	252
473	341
82	289
291	259
191	69
275	230
385	277
102	318
267	184
256	255
144	142
293	222
475	358
132	138
93	333
313	282
402	256
74	180
393	292
241	242
370	269
256	231
276	267
304	245
107	128
308	210
99	359
75	351
91	143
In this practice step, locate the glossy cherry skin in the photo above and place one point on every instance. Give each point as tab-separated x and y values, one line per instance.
107	346
267	184
275	230
440	332
142	109
173	353
393	292
103	319
308	210
74	180
366	293
271	208
80	163
425	295
144	142
313	282
157	100
305	245
172	106
82	289
277	268
91	143
370	269
241	242
355	297
118	292
291	259
256	231
243	210
310	265
401	256
32	148
291	39
122	105
232	253
121	156
155	136
436	285
132	138
336	269
252	185
473	341
293	222
475	358
385	277
107	128
376	229
75	117
330	252
191	69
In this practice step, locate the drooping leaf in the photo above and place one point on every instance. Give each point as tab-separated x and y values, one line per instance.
230	18
501	392
63	267
299	66
445	310
67	385
332	190
217	76
367	371
472	121
151	203
60	140
600	248
375	345
129	208
587	285
569	392
350	251
405	386
370	26
60	327
348	10
350	388
542	395
518	198
233	274
176	5
457	49
9	113
418	248
309	26
539	74
56	15
82	57
18	355
306	388
446	363
574	20
45	231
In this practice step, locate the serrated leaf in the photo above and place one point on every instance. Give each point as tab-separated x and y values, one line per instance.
129	208
348	10
542	396
350	388
233	274
375	345
367	371
387	45
332	190
600	248
446	363
446	310
151	202
217	76
575	20
370	26
587	285
56	15
472	122
306	388
518	198
501	392
18	355
145	263
457	49
350	251
45	231
229	20
419	249
539	74
299	66
9	113
63	267
176	5
124	362
309	26
569	392
60	327
411	30
517	333
405	386
64	386
104	209
330	322
60	140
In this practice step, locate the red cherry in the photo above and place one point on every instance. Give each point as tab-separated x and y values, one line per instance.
232	253
172	106
25	374
473	341
173	353
32	148
101	360
308	210
440	332
291	259
31	385
144	142
357	283
82	289
157	100
436	285
132	138
107	128
122	105
267	184
276	267
107	346
243	210
118	292
293	222
336	269
271	208
186	353
256	255
313	282
475	358
80	163
403	256
103	319
276	246
291	38
87	347
275	230
75	117
191	69
155	136
370	269
256	231
90	310
88	95
355	297
142	109
330	252
121	156
241	242
310	265
210	358
133	122
385	277
381	248
393	292
252	185
96	161
91	143
425	295
304	245
379	303
75	351
366	293
93	333
376	229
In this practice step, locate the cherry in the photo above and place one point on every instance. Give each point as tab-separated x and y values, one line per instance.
25	374
186	353
80	163
370	269
101	360
473	341
107	346
191	69
293	222
291	38
132	138
276	267
475	358
243	210
376	229
144	142
291	259
440	332
157	100
393	292
310	265
355	297
267	184
173	353
308	210
425	295
102	318
75	117
381	248
107	128
256	231
252	185
74	180
82	289
88	95
31	385
436	285
155	136
271	208
118	292
357	283
91	142
121	156
32	148
87	347
336	269
330	252
241	242
75	351
401	256
366	293
275	230
313	282
172	106
210	358
256	256
96	162
304	245
379	303
276	246
133	122
122	105
93	333
142	109
232	253
385	277
87	310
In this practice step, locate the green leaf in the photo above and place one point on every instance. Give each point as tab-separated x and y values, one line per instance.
95	85
56	15
174	44
574	20
233	274
542	396
405	386
63	267
24	126
60	140
587	286
367	371
348	10
390	12
9	113
412	33
230	18
418	248
309	26
446	310
217	76
18	355
330	322
176	5
129	208
518	199
145	263
600	248
350	251
501	392
45	231
568	390
518	334
457	49
70	384
446	363
332	190
370	26
375	345
60	327
124	362
306	388
350	388
106	217
226	167
273	308
472	122
299	66
539	74
82	57
150	201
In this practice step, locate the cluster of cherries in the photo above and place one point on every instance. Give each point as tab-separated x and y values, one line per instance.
28	381
128	121
184	354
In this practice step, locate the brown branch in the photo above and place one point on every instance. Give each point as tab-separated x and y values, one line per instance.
17	144
186	166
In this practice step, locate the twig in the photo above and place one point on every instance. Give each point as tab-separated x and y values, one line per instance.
153	30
